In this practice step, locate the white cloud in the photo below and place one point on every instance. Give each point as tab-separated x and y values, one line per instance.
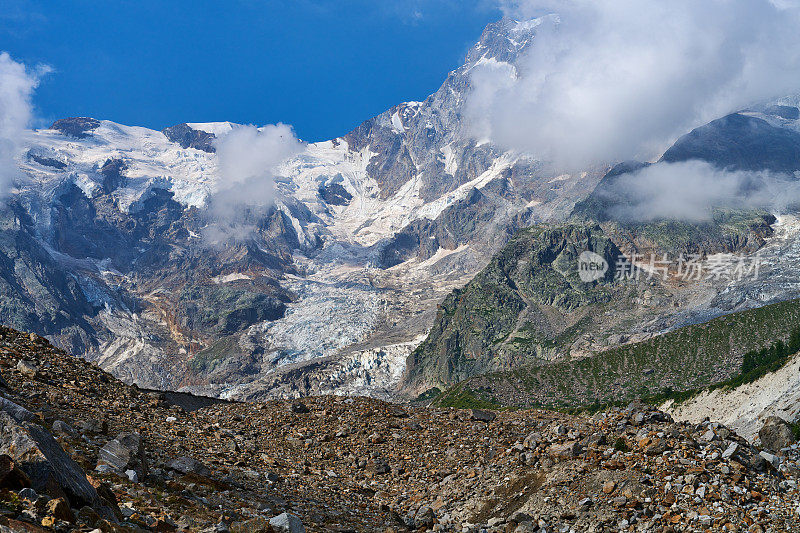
611	80
690	190
17	84
247	160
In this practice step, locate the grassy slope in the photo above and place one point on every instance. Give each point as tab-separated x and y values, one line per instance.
684	359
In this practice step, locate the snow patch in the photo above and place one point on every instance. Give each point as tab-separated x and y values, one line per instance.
227	278
218	129
450	161
397	123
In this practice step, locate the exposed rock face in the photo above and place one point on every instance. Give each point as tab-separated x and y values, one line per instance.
46	161
508	314
77	127
776	434
187	137
112	171
335	194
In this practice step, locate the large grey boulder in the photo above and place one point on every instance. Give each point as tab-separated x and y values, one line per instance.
125	453
776	434
482	415
40	457
288	523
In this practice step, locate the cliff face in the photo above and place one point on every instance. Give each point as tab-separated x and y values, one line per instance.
521	308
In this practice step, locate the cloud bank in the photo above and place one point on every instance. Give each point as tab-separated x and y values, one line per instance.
17	84
690	190
612	80
247	159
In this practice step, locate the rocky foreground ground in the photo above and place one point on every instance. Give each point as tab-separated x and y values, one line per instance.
80	450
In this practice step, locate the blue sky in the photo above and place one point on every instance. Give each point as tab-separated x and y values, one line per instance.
322	66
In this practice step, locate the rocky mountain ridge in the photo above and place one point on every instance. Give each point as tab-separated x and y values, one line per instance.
106	248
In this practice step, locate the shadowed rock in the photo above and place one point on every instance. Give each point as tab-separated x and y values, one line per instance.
40	457
776	434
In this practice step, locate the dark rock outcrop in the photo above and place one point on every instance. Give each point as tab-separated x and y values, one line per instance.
335	194
528	289
78	127
740	142
112	171
187	137
46	161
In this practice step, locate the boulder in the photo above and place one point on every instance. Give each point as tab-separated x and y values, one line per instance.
776	434
532	440
92	426
50	470
125	453
59	509
568	450
17	412
299	408
287	523
730	450
62	428
425	517
27	369
381	467
482	415
187	465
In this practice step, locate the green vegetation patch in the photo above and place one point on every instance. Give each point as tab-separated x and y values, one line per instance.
725	352
463	397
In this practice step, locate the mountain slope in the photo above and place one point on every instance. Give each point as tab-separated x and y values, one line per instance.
527	304
684	359
651	304
746	407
